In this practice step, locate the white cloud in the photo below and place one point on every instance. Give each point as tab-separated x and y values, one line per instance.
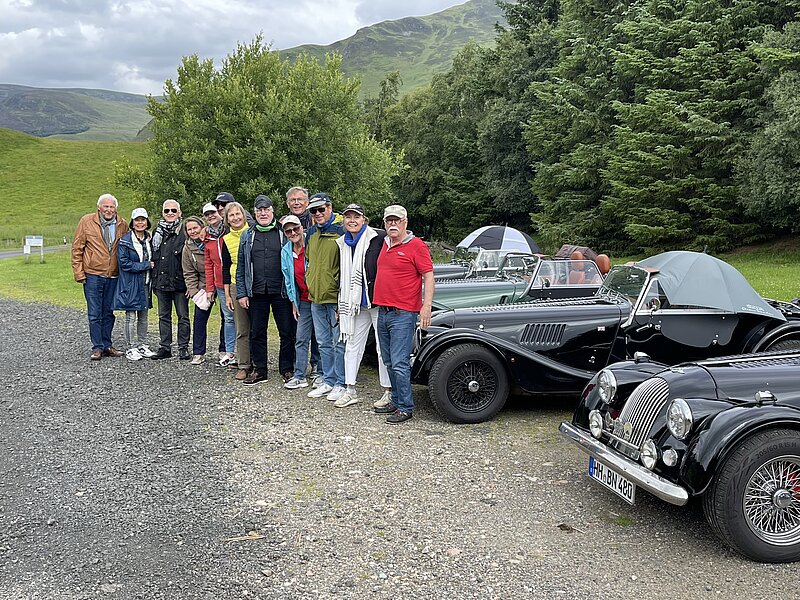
135	45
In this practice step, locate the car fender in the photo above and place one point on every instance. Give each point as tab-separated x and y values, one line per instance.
505	350
785	331
720	434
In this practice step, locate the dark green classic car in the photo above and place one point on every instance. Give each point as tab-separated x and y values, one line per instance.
520	277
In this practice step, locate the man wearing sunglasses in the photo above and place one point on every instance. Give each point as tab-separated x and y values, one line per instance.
322	278
168	283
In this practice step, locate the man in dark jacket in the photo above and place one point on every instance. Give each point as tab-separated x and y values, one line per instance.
168	283
260	288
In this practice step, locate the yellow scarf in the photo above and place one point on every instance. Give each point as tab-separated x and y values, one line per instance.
232	239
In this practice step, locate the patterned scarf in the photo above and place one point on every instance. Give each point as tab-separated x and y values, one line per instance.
163	229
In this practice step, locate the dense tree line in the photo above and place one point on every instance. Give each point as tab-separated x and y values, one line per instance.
632	126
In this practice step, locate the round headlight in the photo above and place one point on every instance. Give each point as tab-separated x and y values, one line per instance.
679	418
648	454
596	423
606	385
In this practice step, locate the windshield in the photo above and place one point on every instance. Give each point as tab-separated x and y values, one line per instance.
465	254
518	265
625	281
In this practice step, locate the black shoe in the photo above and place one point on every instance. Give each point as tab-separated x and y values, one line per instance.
183	354
161	353
398	416
385	410
253	378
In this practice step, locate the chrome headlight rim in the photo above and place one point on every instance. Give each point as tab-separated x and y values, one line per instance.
606	385
596	424
679	418
648	454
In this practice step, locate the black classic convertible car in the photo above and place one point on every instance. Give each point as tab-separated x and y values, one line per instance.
675	306
725	430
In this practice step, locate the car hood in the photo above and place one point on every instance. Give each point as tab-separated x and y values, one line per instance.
539	311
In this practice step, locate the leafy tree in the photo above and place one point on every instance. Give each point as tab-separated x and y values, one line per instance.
769	172
261	125
374	109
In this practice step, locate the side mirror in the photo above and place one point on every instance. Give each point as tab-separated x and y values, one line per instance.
654	304
765	396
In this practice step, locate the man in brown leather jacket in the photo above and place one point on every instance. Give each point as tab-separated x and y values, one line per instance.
94	264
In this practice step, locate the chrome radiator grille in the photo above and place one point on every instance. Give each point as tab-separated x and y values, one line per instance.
642	407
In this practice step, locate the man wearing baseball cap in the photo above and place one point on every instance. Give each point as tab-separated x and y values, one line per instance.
260	288
322	278
404	267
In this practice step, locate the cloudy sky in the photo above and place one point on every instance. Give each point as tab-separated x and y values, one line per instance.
134	45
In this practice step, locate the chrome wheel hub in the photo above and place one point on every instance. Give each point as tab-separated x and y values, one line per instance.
771	501
473	386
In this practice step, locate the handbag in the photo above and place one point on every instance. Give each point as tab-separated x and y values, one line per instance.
201	300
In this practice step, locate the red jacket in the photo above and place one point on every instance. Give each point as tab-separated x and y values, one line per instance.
213	256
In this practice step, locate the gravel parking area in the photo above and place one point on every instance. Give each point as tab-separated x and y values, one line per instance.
159	479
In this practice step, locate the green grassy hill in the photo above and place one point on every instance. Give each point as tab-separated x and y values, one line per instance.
48	184
418	47
72	113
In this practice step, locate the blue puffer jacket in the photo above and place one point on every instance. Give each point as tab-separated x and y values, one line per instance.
132	292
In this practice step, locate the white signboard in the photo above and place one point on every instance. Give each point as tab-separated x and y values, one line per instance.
33	241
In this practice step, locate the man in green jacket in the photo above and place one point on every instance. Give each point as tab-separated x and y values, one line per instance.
322	278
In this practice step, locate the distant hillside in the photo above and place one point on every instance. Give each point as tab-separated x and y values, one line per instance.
72	113
418	47
49	184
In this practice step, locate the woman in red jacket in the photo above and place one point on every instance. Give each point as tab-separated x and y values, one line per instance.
214	286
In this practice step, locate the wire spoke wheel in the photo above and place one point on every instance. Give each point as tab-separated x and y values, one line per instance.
771	501
472	386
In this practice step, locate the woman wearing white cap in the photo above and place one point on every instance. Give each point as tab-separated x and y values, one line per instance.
135	257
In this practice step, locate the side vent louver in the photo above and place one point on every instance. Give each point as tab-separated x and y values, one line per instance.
543	335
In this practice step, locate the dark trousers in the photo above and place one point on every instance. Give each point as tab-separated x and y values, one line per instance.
166	300
99	292
260	305
200	330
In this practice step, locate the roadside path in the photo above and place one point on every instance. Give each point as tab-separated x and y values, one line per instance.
34	251
161	480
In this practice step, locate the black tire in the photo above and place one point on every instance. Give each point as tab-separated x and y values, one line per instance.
753	504
468	384
785	345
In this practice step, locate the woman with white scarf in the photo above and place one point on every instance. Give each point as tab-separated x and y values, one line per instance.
359	248
135	258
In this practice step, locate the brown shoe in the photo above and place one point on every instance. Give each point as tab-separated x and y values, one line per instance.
95	355
241	374
113	352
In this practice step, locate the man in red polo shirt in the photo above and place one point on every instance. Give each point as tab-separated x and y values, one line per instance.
404	265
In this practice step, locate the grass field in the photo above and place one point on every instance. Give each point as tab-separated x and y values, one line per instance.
48	185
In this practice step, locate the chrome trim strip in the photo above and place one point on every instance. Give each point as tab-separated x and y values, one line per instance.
649	481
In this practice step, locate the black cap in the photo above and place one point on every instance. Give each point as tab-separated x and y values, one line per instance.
224	198
356	208
262	201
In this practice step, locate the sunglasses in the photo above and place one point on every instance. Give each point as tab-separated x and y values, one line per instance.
291	230
170	210
317	209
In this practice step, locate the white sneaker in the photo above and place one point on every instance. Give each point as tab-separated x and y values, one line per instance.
383	400
225	359
295	383
198	359
347	399
321	391
317	380
145	351
133	354
337	392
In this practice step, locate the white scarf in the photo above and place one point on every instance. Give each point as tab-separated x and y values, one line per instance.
138	246
351	281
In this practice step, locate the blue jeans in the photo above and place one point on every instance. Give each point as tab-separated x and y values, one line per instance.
229	327
99	292
305	332
396	330
331	350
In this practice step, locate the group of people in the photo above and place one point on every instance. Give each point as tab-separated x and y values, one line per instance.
326	278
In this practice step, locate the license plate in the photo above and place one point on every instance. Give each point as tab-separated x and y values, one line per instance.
615	482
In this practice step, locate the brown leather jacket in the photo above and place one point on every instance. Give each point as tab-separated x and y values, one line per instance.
90	253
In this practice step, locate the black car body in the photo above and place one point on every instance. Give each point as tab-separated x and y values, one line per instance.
725	430
472	358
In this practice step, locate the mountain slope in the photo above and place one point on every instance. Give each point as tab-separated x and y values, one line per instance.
73	113
418	47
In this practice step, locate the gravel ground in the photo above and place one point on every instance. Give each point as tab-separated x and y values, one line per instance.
159	479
